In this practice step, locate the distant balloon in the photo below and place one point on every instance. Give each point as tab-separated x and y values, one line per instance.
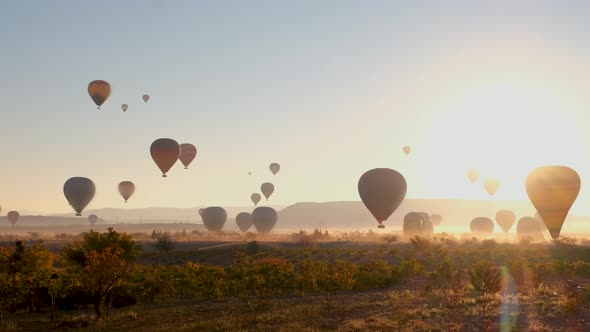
407	149
528	228
13	217
505	219
553	190
214	218
264	219
92	219
79	192
482	226
491	185
274	168
99	91
249	173
473	175
165	153
126	189
124	107
201	211
244	221
188	152
427	227
267	189
145	98
412	224
382	190
436	219
255	197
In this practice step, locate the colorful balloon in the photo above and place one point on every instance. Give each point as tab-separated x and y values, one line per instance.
473	175
382	190
505	219
214	218
264	219
13	217
79	191
267	189
491	185
165	152
553	190
126	189
188	152
255	197
274	168
99	91
244	221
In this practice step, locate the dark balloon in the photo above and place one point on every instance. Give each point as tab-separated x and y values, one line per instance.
145	98
482	226
79	192
13	217
274	168
126	189
92	219
244	221
99	91
255	197
553	190
264	219
214	218
188	152
412	224
267	189
165	153
505	219
201	211
124	107
382	190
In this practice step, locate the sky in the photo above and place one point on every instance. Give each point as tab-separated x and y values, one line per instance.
328	89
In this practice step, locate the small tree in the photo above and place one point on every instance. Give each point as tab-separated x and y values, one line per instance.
164	243
485	279
99	262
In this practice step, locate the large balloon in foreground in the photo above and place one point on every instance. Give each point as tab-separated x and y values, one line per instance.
165	153
553	190
244	221
406	149
491	185
482	226
79	192
382	190
264	219
274	168
126	189
13	217
145	98
267	189
505	219
214	218
255	197
124	107
528	228
188	152
92	219
99	91
473	175
436	219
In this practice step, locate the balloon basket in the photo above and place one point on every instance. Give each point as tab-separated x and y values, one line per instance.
78	214
381	226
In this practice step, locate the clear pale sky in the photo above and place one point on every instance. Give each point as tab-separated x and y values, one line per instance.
329	89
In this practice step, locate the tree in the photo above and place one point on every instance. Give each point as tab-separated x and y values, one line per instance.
99	262
485	279
164	243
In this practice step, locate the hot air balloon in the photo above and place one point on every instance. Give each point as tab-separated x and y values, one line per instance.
99	91
491	185
407	149
274	168
188	152
267	189
165	153
482	226
528	228
13	217
255	197
126	189
145	98
214	218
473	175
244	221
92	219
124	107
436	219
201	211
382	190
79	192
553	190
249	173
505	219
412	224
264	219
